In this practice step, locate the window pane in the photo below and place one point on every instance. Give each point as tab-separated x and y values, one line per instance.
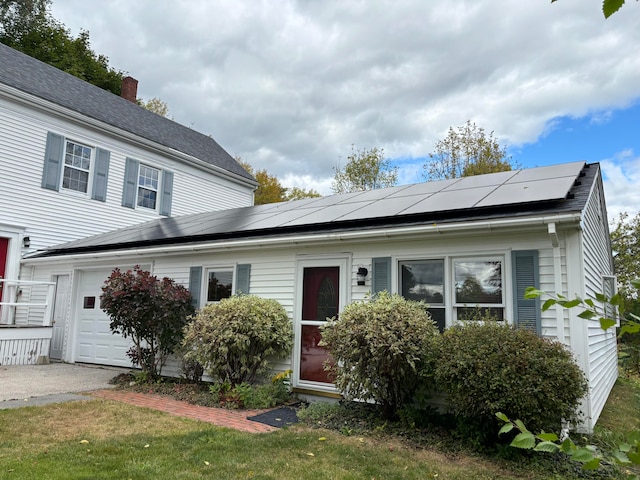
478	282
438	315
219	286
480	313
147	198
423	280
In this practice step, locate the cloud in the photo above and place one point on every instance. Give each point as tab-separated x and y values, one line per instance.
290	85
621	177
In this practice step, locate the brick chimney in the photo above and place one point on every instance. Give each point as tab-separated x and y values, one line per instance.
129	89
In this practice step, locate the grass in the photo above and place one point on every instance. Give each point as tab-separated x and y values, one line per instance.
100	439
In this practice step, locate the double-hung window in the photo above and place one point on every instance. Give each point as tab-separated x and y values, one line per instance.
77	167
148	187
72	166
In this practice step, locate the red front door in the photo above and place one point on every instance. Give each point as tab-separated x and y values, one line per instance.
4	250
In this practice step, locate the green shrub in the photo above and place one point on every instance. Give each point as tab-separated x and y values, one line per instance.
379	346
488	367
234	339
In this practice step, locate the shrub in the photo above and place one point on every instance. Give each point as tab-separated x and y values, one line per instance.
234	339
150	311
488	367
379	346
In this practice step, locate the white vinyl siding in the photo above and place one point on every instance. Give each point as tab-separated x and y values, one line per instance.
52	217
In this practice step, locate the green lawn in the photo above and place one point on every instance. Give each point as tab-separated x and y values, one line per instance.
107	440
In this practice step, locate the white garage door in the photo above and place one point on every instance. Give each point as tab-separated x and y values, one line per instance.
94	342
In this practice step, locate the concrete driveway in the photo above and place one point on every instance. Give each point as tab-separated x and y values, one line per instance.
24	385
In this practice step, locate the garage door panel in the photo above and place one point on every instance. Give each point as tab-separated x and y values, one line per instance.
95	343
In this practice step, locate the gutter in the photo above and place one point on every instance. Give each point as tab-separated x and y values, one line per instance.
68	114
319	239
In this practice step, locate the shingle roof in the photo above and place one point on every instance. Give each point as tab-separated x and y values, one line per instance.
34	77
522	193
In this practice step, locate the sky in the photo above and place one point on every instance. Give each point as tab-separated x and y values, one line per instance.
291	86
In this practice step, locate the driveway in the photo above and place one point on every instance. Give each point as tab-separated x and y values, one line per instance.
24	385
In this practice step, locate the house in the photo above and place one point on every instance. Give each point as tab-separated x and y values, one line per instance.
76	160
457	244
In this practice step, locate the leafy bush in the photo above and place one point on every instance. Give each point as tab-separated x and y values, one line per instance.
234	339
150	311
488	367
379	346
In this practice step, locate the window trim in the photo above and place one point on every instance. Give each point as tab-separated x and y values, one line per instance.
90	172
205	281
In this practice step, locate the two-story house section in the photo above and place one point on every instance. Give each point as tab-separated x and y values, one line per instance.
76	160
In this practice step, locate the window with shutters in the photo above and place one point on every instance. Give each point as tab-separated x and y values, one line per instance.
147	187
77	167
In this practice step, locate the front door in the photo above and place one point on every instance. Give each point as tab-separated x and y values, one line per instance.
321	296
60	306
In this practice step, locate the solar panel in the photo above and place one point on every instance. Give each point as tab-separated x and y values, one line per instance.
482	191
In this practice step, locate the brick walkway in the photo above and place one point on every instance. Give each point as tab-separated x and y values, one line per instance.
222	417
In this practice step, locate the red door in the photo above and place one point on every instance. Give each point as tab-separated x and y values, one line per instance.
320	301
4	249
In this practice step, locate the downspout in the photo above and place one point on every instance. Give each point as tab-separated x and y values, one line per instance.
557	276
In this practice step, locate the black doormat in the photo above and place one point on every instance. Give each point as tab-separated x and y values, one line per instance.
279	417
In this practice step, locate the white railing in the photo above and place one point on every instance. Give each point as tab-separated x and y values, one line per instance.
36	309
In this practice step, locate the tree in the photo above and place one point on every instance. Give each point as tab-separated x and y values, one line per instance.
624	243
28	27
365	170
270	190
156	106
150	311
609	7
464	152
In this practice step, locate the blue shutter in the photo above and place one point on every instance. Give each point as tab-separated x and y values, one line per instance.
195	285
166	193
53	159
380	274
527	313
100	175
243	276
130	183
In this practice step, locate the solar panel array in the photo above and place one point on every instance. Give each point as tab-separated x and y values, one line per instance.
482	191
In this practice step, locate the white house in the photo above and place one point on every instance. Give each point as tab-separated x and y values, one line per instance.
457	244
76	160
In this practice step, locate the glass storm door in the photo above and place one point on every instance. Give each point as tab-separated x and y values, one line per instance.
320	301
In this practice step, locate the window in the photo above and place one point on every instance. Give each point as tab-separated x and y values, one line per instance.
73	167
219	284
77	167
424	280
148	187
478	288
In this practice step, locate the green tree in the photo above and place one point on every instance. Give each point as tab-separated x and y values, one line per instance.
365	170
28	27
466	151
298	193
150	311
624	243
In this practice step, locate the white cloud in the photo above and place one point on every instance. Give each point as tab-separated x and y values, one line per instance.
290	85
621	178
